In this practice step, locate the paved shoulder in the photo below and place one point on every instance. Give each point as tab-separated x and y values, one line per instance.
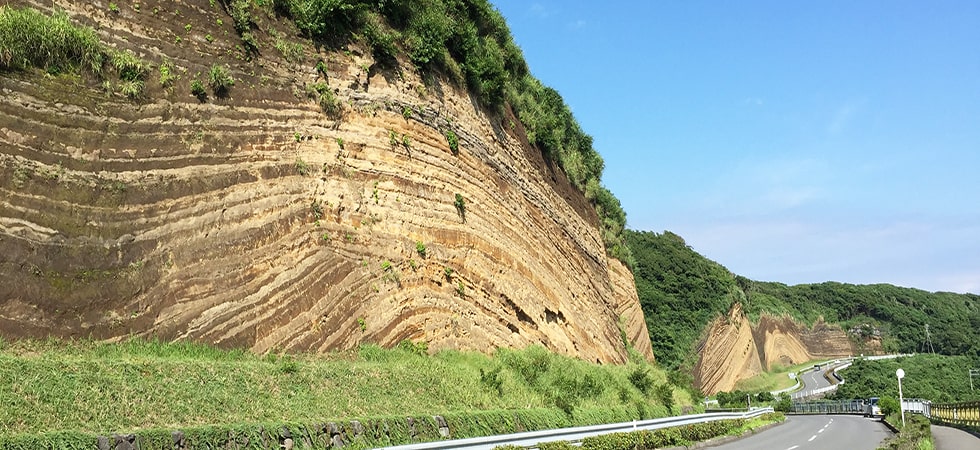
946	438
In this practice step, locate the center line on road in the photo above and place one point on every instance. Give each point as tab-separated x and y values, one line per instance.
821	430
814	437
791	448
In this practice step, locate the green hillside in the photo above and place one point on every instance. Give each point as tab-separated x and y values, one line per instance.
681	291
938	378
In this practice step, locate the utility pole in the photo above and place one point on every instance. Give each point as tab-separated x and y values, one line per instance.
929	340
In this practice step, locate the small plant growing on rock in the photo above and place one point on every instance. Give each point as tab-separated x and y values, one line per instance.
302	167
113	8
453	142
324	96
220	80
197	88
448	271
132	89
167	75
361	324
460	205
420	248
316	208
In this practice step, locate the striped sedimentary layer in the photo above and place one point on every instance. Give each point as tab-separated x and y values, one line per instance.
256	220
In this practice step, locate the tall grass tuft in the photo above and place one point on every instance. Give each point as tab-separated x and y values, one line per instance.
28	38
32	39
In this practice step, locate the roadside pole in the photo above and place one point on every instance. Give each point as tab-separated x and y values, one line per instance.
901	407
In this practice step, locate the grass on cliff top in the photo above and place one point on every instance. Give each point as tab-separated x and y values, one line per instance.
92	387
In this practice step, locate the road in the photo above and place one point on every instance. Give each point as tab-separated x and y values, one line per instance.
816	432
946	438
812	380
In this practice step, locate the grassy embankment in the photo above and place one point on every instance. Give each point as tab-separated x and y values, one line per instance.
915	435
92	388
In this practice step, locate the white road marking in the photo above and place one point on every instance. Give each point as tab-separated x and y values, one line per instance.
791	448
821	430
812	438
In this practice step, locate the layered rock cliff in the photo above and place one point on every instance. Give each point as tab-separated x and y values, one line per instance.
257	220
733	349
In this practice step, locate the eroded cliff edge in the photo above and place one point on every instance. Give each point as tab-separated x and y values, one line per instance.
257	220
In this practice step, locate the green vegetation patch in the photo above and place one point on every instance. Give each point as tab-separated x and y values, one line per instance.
32	39
94	388
664	437
915	435
938	378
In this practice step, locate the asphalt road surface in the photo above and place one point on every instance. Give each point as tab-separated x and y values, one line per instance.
814	379
816	433
946	438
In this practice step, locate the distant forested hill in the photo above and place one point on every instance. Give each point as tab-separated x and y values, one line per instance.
900	313
938	378
681	291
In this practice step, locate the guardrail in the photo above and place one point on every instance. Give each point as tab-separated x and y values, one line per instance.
830	407
964	413
533	438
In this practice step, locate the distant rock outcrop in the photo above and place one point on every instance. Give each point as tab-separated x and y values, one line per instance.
733	349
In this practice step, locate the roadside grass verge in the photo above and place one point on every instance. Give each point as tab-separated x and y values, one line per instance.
100	388
758	422
915	435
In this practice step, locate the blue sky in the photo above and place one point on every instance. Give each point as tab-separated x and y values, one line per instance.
795	142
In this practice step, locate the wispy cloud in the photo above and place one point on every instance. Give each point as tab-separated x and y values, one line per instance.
754	186
540	11
577	25
844	116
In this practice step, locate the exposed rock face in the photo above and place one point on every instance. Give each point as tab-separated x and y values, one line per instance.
728	353
734	349
259	221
